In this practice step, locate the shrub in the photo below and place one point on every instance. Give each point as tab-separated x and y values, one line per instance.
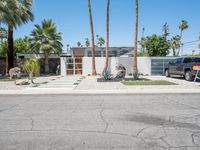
32	67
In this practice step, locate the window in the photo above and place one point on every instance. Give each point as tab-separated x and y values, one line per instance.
178	60
187	60
197	60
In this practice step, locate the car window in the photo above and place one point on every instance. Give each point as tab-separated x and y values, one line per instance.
197	60
187	60
179	60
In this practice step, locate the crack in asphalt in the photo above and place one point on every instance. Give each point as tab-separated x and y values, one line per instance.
102	116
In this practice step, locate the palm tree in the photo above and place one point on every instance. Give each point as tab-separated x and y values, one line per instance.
183	26
107	35
87	42
14	13
175	45
101	41
92	38
135	68
46	39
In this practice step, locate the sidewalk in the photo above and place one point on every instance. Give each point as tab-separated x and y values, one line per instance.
91	86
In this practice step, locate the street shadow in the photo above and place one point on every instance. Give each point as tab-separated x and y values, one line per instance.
157	121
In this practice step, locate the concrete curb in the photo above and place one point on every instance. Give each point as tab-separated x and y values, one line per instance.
55	91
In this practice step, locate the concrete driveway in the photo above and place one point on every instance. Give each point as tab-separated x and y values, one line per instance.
100	122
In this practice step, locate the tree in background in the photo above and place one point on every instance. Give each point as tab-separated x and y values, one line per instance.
87	42
175	44
165	30
135	68
92	38
100	41
183	26
32	66
79	44
21	45
46	39
157	45
14	13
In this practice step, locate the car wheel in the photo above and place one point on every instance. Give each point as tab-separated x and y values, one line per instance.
188	76
167	74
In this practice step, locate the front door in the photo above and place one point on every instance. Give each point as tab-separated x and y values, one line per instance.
74	66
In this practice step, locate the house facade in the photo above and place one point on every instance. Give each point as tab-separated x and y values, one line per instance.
79	61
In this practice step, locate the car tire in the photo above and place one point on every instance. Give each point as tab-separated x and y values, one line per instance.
188	76
167	74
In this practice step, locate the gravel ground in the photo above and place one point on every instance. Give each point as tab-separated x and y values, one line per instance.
10	85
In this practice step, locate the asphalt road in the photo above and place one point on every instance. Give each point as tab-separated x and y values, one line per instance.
100	122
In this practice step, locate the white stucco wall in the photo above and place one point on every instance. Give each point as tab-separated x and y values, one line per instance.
63	66
144	64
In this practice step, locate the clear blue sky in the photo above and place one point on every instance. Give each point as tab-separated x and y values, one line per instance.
71	17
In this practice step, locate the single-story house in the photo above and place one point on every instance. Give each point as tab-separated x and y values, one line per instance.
78	61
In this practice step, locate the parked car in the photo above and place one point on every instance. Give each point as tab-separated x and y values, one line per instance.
183	66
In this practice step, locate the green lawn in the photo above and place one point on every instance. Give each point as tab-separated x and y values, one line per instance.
147	82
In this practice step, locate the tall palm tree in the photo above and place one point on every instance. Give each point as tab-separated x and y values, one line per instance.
183	26
107	35
92	38
14	13
135	68
46	39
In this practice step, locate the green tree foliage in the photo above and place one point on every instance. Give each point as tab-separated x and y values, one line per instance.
156	45
32	66
3	48
21	45
45	38
14	13
101	41
79	44
87	42
175	44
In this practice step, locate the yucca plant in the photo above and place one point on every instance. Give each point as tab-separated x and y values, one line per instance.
32	67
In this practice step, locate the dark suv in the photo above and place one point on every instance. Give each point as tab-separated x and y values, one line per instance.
183	66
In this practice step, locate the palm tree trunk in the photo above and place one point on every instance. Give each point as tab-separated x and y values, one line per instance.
46	62
107	35
31	77
92	37
135	69
10	56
